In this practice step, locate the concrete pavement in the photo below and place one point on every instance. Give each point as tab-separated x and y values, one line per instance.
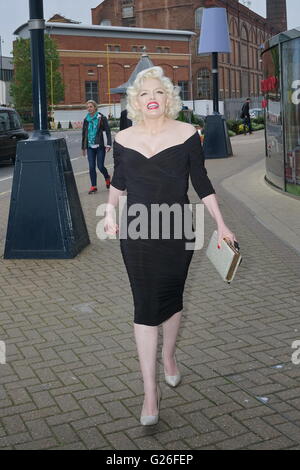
71	379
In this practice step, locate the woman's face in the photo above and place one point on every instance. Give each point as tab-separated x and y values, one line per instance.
90	108
151	99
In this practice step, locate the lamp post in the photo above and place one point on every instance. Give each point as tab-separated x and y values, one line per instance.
214	38
45	217
99	67
1	73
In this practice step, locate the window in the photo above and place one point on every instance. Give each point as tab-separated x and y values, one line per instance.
105	23
166	50
134	48
198	17
204	84
91	91
184	89
113	47
4	121
233	86
15	121
245	82
6	75
159	49
127	12
244	55
244	47
244	33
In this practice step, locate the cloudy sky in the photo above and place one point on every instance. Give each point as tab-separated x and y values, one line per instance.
13	13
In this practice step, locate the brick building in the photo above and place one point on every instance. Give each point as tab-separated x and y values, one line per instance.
95	59
240	71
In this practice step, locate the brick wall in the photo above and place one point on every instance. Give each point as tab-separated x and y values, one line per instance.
236	79
80	56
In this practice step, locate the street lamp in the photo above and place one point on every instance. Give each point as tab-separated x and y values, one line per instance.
45	217
214	38
99	66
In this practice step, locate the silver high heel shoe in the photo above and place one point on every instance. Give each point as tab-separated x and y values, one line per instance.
151	420
172	380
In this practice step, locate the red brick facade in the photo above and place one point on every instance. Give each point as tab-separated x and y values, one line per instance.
95	59
240	72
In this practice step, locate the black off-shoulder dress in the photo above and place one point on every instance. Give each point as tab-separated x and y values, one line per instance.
157	267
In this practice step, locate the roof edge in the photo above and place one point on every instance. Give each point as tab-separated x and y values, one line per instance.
110	28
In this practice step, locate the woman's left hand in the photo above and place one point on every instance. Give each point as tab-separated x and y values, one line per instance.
107	148
224	232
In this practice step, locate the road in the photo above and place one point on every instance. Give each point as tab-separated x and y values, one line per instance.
79	163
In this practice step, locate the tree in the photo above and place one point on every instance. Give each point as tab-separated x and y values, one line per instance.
21	88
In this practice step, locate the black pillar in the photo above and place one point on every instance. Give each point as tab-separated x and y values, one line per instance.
39	93
215	80
45	217
216	139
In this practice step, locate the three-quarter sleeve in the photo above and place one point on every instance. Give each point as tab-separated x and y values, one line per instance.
118	180
198	173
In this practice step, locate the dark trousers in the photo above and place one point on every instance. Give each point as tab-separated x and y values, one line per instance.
99	155
247	122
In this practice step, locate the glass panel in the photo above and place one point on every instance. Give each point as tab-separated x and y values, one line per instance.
291	99
198	17
204	84
91	91
15	121
184	91
244	55
127	12
245	84
4	121
274	132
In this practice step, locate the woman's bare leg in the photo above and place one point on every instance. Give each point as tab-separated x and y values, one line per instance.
146	338
170	332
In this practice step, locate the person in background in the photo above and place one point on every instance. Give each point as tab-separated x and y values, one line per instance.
124	120
245	115
93	127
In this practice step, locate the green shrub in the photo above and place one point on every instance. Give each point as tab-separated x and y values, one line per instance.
257	127
234	125
182	117
198	120
231	133
259	120
114	123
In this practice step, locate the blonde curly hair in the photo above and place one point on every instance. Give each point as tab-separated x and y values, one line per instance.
174	103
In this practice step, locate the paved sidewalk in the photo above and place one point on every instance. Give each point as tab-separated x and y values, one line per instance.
277	212
72	376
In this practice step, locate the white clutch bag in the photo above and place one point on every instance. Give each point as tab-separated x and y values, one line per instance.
226	260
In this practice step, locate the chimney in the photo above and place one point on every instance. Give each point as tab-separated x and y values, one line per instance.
277	14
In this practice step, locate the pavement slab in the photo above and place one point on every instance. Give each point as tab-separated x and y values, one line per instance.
71	378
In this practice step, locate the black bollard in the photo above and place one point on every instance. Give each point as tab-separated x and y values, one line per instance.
45	218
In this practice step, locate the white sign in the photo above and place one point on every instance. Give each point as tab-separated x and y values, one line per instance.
2	352
296	94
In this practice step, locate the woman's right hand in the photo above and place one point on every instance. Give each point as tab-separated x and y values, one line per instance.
83	152
110	226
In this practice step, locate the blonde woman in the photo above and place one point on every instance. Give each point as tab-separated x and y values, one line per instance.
153	161
93	127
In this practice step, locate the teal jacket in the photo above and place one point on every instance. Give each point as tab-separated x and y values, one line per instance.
102	127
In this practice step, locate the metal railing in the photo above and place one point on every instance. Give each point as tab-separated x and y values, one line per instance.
233	106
